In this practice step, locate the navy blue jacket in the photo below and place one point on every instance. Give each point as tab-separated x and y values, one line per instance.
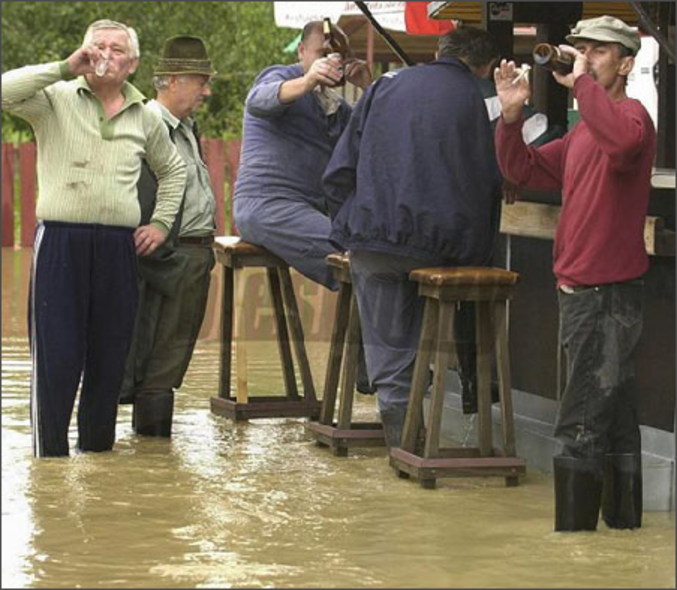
415	173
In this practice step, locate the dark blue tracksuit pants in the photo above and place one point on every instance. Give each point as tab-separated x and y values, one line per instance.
83	300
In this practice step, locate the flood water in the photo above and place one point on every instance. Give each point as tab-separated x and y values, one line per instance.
259	505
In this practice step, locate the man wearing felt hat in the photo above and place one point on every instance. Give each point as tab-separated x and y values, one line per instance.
174	283
603	168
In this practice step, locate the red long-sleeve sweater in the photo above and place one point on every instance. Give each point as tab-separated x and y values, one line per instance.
603	167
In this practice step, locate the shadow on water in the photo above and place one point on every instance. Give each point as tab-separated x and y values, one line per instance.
258	505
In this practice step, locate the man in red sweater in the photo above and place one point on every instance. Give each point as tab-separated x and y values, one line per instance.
603	168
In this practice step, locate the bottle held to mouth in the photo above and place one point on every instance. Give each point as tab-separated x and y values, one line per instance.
553	58
332	48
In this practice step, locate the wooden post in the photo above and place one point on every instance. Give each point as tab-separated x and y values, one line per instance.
498	19
214	155
7	195
370	47
27	163
549	97
233	148
665	156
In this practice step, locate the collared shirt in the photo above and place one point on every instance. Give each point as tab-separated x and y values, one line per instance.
199	205
89	164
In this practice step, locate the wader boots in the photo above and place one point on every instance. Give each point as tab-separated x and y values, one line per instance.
363	385
578	492
622	496
393	423
153	413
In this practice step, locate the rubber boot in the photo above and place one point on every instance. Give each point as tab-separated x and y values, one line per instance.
578	492
153	413
469	393
363	385
622	495
393	423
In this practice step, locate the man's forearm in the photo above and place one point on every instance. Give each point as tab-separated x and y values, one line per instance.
293	90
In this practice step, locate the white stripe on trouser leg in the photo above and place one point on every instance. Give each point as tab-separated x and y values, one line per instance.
35	417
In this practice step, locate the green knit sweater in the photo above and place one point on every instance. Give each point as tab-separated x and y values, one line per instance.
88	165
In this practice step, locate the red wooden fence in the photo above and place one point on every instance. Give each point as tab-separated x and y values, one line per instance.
222	159
7	195
27	161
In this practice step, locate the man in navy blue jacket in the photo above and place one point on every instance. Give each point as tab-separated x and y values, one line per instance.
413	182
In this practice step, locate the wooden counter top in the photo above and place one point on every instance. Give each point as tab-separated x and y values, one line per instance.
538	220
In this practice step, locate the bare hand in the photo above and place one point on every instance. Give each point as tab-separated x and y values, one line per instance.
510	194
147	239
357	72
581	66
83	60
324	71
512	96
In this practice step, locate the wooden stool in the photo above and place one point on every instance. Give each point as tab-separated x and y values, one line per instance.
490	289
235	255
344	433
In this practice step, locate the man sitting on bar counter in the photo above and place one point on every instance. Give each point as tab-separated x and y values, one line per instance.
414	183
293	119
603	168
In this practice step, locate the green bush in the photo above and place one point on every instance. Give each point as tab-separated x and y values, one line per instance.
241	38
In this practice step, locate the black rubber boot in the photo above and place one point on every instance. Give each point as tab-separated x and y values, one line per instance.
363	385
153	413
469	393
578	492
393	423
622	495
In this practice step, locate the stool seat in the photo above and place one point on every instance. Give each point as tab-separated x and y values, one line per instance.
338	260
467	276
234	251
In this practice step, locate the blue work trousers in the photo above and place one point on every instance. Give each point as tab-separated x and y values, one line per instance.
391	313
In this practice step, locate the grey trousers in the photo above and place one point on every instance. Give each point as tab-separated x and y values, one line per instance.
295	231
167	328
600	327
391	313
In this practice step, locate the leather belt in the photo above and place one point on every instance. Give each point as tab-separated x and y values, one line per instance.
196	240
568	289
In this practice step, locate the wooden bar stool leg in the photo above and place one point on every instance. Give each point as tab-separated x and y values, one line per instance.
297	334
443	355
282	335
349	368
442	358
225	358
503	365
338	338
485	340
240	335
414	416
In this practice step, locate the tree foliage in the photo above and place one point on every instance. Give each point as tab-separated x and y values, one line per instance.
241	38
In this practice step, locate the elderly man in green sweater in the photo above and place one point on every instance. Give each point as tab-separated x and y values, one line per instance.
92	129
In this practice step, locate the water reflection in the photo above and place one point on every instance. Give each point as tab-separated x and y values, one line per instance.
258	505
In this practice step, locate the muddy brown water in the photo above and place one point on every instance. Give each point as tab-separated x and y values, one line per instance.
259	505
